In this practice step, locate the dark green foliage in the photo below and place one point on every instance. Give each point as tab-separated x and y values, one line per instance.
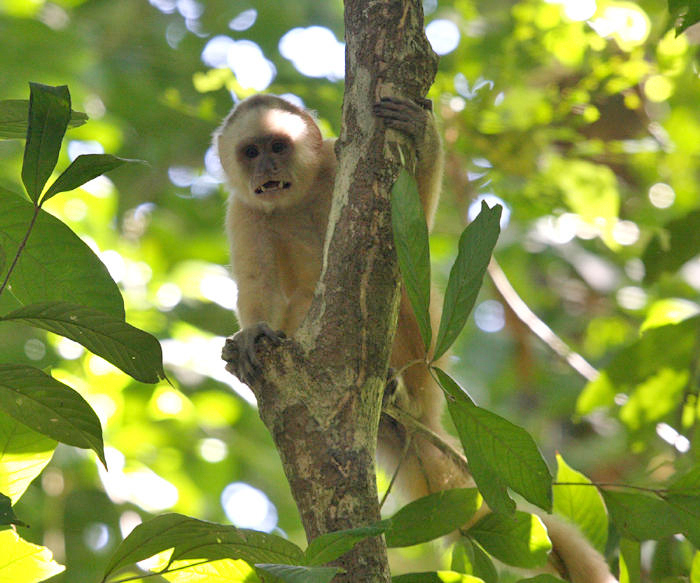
412	250
49	407
432	516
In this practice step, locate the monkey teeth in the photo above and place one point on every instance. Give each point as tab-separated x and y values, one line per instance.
272	185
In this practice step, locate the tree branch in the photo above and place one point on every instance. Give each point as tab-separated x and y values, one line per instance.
322	393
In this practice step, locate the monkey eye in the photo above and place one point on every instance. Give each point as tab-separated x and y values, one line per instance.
278	146
251	151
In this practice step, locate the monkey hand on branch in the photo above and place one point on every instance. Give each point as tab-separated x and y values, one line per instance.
281	174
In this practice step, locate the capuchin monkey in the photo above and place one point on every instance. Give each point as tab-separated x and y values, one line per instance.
280	173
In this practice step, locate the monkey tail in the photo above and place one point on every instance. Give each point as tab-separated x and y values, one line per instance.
423	469
583	564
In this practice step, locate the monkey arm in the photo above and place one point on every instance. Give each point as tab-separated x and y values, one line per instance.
260	302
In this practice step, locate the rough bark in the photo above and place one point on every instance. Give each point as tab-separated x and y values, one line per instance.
322	391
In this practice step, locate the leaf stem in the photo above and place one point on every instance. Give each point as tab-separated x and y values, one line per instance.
660	492
22	245
159	573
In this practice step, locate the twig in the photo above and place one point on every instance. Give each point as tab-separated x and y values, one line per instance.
412	425
537	326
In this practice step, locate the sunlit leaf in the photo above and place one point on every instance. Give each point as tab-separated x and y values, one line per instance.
83	169
23	455
669	311
668	251
49	407
695	569
581	505
196	539
519	539
55	265
542	579
49	114
328	547
591	191
630	561
468	557
412	249
134	351
298	574
23	561
436	577
500	453
665	347
654	398
432	516
475	248
14	118
222	571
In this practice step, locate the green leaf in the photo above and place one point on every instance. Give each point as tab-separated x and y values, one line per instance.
25	562
83	169
630	561
489	481
412	249
196	539
328	547
542	579
432	516
500	454
582	505
686	510
687	484
49	114
668	251
653	399
695	568
134	351
23	455
196	571
436	577
49	407
469	558
669	311
475	248
55	265
14	117
684	13
298	574
518	539
7	515
666	347
640	517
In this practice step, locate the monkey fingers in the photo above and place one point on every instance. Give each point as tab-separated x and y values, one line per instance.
390	388
402	115
246	340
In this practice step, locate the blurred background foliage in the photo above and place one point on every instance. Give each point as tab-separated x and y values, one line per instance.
582	117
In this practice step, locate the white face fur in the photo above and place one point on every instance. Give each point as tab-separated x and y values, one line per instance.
270	156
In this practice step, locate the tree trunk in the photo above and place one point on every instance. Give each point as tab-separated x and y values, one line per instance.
322	397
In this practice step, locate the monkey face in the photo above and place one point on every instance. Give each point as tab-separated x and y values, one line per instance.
270	151
267	160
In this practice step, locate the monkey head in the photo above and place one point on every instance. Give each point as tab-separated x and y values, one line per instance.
270	151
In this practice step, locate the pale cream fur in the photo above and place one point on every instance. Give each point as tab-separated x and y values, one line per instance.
277	239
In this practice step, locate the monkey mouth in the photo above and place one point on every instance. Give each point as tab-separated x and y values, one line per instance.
272	185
